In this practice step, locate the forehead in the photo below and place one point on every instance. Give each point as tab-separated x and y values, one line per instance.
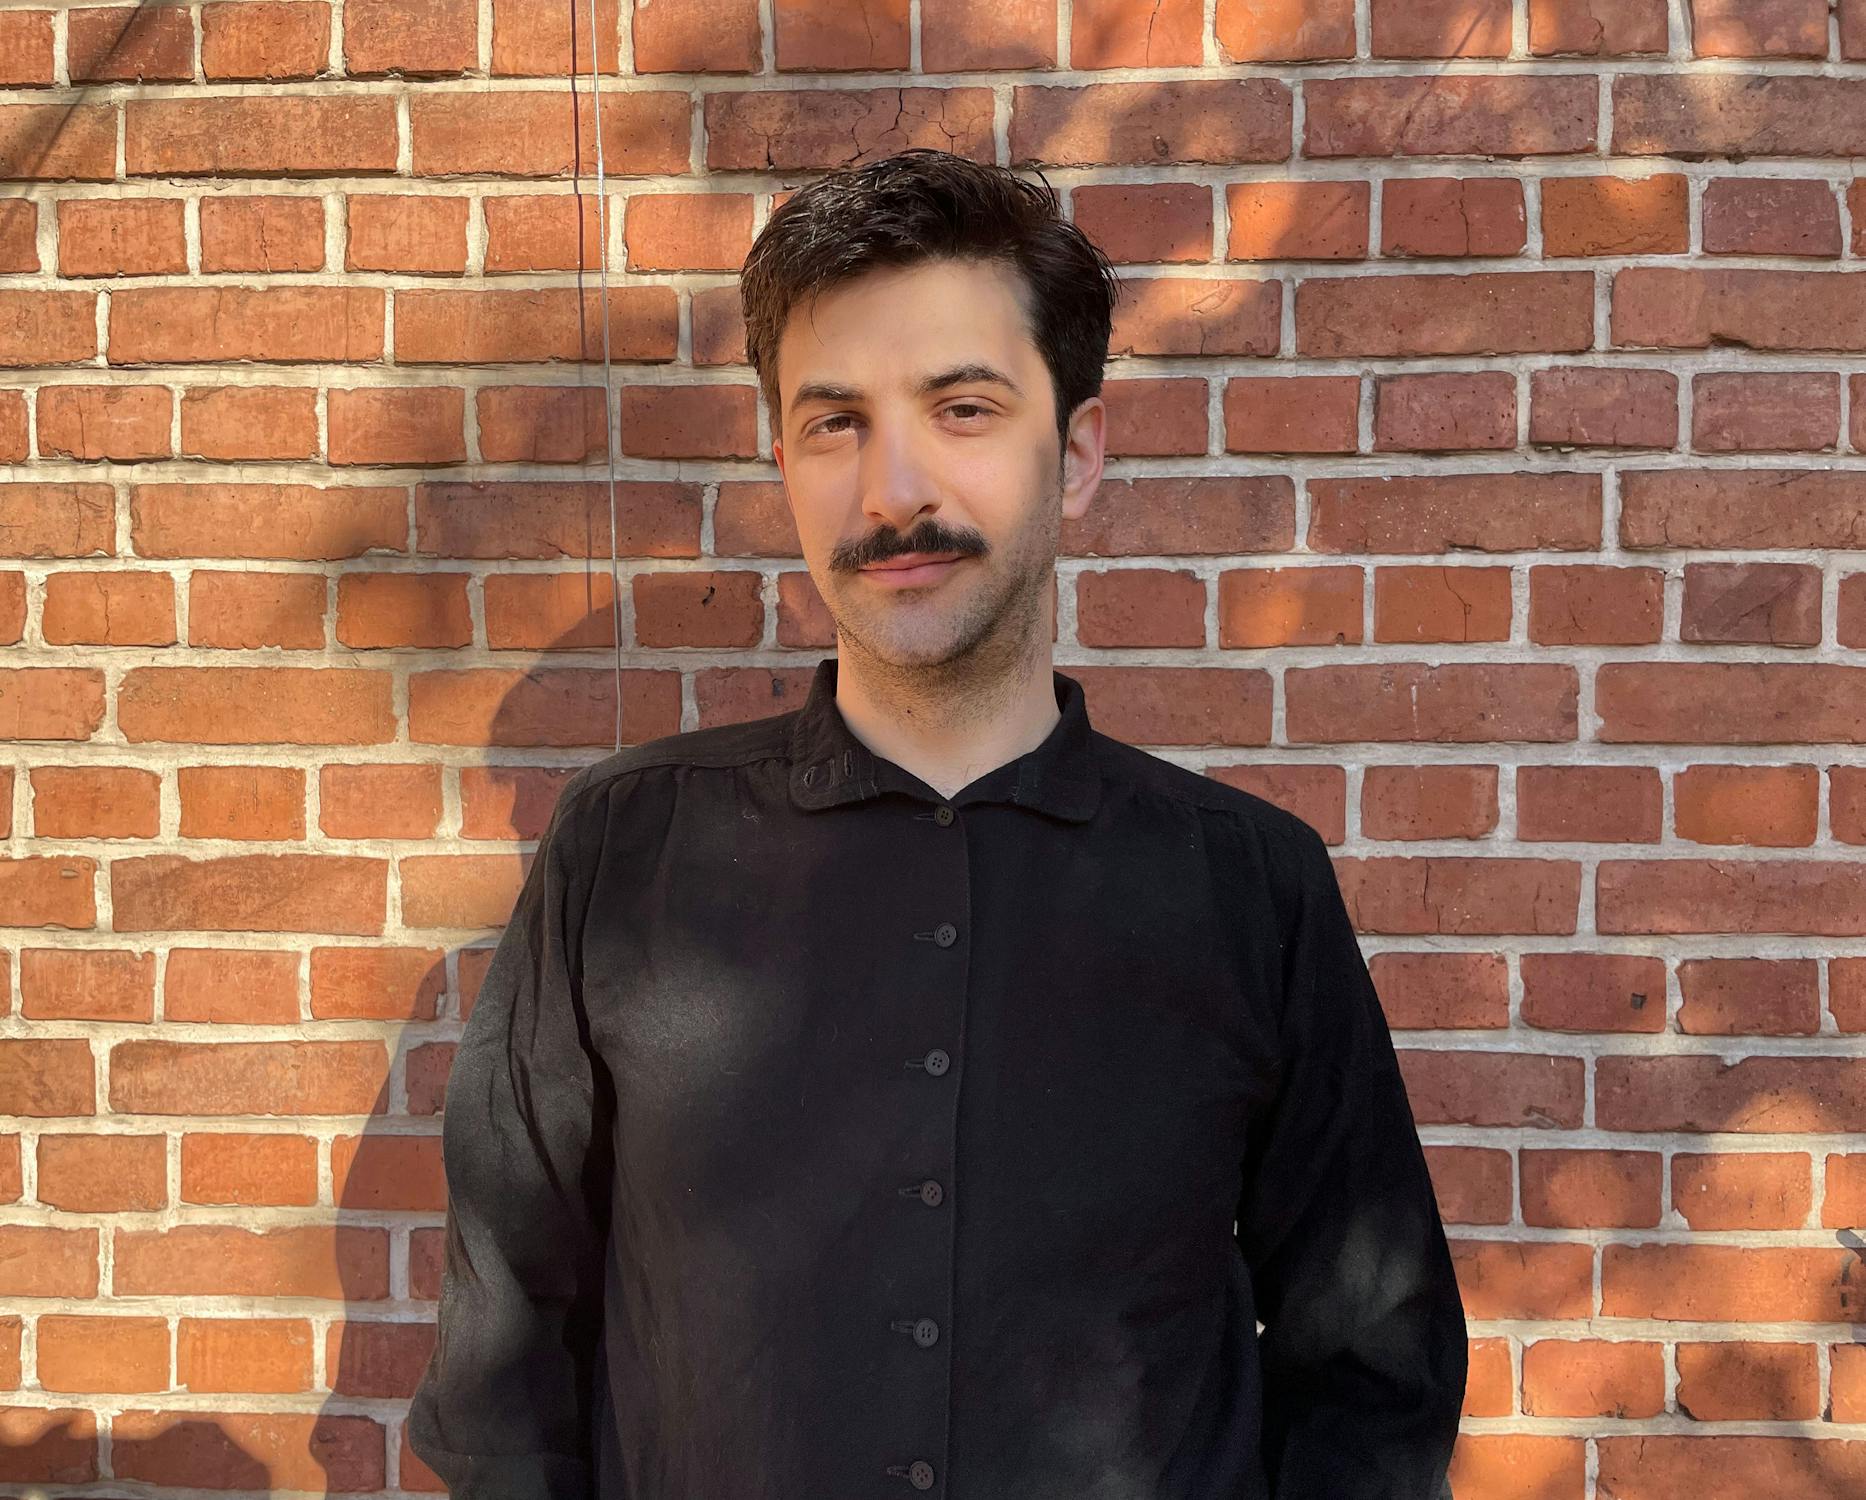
888	326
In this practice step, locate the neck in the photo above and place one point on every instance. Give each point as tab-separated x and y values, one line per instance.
951	723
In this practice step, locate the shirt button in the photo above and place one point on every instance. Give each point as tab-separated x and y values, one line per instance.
931	1193
926	1333
942	816
945	934
920	1474
938	1062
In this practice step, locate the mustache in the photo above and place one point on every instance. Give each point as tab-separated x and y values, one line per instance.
880	546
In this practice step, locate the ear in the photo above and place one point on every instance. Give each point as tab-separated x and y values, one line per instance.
1083	456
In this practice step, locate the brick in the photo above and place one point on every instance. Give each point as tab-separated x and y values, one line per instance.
25	48
379	425
1440	28
383	984
1124	124
47	892
1658	307
47	328
379	801
1493	1088
716	609
1444	990
815	36
47	1077
1740	412
1758	28
295	1450
1146	222
121	237
241	802
248	611
561	232
688	231
53	142
19	225
1166	416
1188	315
1140	607
1847	803
13	426
1595	604
1726	1283
1594	804
1593	1378
95	1354
972	35
1585	27
1616	215
1577	406
550	612
709	421
565	706
105	1173
1452	216
51	703
1189	514
1795	896
551	519
541	38
103	802
1743	1190
232	1168
533	326
1737	1379
415	38
389	1172
1450	114
233	986
514	134
264	233
255	705
504	802
1445	412
399	232
1428	802
119	422
1766	805
148	43
1741	115
1510	1279
257	136
1114	34
540	424
1776	604
1474	512
91	985
1297	606
790	130
1770	216
1743	509
1284	30
1180	705
244	1355
237	422
718	36
1594	992
265	39
1503	312
372	1358
1298	220
1456	703
1749	996
187	325
1451	894
244	893
1438	604
1292	414
109	609
403	609
300	521
1583	1189
337	1262
1731	702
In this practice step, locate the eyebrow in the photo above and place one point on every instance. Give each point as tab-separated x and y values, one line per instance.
967	374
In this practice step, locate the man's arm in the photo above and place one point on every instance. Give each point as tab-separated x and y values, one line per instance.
1363	1347
503	1409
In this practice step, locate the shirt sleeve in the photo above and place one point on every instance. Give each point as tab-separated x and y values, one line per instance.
503	1409
1363	1348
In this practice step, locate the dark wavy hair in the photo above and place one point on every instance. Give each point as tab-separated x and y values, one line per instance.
923	205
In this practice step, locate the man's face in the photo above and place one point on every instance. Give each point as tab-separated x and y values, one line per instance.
918	418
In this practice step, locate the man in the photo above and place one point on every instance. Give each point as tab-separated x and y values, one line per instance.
919	1091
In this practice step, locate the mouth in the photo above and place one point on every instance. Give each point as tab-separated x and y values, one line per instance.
913	568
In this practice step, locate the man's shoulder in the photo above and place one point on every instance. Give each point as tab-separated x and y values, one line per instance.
1166	778
718	745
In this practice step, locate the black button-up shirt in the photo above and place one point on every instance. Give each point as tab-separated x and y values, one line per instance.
815	1136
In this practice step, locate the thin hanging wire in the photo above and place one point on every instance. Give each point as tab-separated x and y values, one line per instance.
609	413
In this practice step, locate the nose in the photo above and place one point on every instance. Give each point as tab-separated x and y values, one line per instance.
896	486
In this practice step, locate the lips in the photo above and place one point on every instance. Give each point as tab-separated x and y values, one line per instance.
911	560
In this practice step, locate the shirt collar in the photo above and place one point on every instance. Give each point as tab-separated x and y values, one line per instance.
829	765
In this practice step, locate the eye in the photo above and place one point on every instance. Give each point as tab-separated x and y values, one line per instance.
968	406
822	425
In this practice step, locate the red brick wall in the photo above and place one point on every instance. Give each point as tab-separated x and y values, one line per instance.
1487	420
